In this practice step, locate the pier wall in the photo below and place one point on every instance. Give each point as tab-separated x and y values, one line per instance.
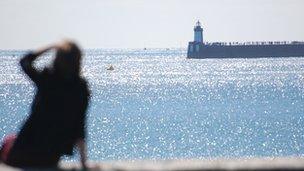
200	50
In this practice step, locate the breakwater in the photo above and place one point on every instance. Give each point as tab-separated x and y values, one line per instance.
245	50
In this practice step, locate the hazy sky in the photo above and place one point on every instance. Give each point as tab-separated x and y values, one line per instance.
146	23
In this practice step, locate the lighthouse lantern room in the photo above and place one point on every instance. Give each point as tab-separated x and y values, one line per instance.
198	32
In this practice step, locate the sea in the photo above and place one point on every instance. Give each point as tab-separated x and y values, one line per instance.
157	104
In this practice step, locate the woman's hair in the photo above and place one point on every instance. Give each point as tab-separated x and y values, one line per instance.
67	60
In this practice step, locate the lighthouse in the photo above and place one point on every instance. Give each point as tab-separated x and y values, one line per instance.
195	47
198	33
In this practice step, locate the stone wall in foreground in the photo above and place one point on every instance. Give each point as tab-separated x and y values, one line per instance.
260	164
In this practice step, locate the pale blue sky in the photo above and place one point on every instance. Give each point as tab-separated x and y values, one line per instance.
27	24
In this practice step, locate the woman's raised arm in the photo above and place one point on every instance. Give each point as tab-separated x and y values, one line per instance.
27	63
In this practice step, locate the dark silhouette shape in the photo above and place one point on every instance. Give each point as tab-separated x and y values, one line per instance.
111	68
57	120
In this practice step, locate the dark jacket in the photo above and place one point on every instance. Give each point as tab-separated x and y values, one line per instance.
57	118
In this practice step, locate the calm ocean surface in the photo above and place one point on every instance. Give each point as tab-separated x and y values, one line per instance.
157	104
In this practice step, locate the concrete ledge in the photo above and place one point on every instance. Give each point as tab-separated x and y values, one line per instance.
258	164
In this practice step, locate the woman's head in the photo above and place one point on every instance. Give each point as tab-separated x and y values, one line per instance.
67	59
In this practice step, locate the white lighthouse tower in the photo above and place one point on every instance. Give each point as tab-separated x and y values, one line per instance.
198	33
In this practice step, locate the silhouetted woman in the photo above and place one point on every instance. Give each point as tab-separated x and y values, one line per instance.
57	119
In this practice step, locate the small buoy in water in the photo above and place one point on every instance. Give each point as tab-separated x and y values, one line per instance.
111	68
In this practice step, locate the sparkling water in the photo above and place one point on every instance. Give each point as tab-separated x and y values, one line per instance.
156	104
